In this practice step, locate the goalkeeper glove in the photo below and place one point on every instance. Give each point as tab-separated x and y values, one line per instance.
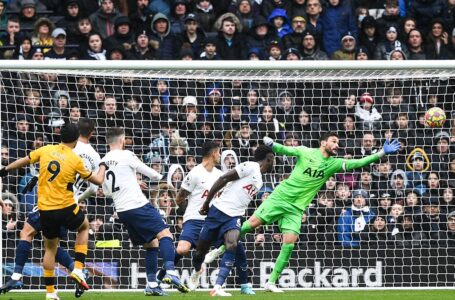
30	185
3	172
391	147
268	142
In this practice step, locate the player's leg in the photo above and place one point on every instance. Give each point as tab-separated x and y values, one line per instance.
151	267
75	219
290	225
50	246
167	251
241	265
22	253
231	238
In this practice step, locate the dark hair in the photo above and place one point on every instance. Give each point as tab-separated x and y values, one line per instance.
261	152
208	148
113	133
69	133
86	126
325	136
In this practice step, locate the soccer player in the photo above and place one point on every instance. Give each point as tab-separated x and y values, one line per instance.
142	221
59	166
290	198
195	187
224	217
32	225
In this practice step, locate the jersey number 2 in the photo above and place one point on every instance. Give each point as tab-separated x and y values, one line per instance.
109	174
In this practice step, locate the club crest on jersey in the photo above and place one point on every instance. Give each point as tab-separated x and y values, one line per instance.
314	173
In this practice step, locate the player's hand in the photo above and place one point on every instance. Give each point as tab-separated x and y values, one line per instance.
268	141
204	209
104	164
391	147
3	172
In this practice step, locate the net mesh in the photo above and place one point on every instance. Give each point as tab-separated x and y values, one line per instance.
168	115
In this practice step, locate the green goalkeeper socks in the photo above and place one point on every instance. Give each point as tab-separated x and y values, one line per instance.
281	262
246	228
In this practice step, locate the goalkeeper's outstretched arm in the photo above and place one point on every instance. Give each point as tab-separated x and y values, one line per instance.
281	149
389	148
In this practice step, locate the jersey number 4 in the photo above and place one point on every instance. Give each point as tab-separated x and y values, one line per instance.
111	174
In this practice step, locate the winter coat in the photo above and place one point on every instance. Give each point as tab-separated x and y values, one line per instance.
286	28
167	46
347	235
104	23
336	20
426	10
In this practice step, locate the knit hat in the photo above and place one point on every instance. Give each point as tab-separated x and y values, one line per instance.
366	97
362	193
347	35
28	3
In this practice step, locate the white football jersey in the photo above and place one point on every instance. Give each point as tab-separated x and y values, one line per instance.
198	182
91	160
237	194
120	181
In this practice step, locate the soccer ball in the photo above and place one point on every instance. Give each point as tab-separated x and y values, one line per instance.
435	117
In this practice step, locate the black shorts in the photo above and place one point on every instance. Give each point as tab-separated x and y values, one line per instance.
70	217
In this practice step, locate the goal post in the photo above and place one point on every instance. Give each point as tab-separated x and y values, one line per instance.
402	236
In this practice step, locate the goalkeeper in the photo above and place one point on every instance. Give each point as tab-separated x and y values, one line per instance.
290	198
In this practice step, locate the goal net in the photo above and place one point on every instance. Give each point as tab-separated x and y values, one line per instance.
402	234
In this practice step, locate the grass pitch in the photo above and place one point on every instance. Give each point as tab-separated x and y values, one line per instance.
291	295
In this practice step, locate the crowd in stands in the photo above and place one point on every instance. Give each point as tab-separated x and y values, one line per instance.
227	29
405	200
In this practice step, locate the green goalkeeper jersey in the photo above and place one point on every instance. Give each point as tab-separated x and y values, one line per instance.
311	172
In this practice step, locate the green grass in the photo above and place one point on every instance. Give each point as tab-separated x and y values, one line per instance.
308	295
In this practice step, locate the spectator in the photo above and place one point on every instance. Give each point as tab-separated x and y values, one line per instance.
43	28
81	34
384	204
307	128
447	239
116	52
162	38
440	157
28	15
268	125
72	13
399	183
228	160
58	50
179	11
294	39
142	50
336	19
348	132
209	50
368	145
12	35
192	37
286	109
244	140
412	204
205	14
123	35
391	43
342	196
261	35
313	11
268	6
369	35
427	10
437	42
354	220
24	50
434	223
417	175
175	176
415	45
376	234
390	18
280	21
230	41
322	217
3	15
347	51
246	11
433	184
141	18
407	24
368	115
9	215
9	184
408	236
103	20
310	49
95	49
291	54
110	115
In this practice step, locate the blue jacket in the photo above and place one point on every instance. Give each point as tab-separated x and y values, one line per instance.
286	29
345	227
336	20
167	42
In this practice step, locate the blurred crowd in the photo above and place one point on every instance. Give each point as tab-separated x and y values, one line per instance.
227	29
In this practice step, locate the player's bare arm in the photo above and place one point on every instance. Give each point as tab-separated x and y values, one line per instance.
98	178
181	196
21	162
217	186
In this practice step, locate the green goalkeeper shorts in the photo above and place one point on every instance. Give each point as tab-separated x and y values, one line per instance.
288	216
